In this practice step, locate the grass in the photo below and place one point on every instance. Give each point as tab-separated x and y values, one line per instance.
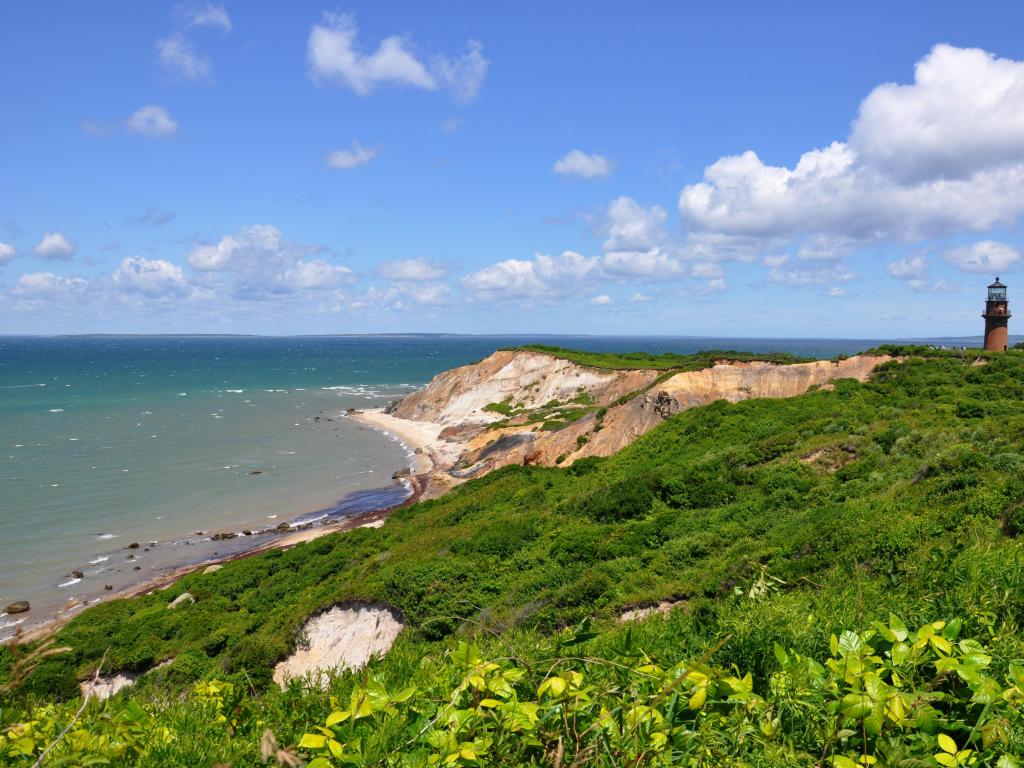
663	362
727	509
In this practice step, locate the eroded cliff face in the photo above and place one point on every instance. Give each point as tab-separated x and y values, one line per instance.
527	380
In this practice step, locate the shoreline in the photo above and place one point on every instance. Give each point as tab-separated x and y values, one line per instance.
432	456
422	464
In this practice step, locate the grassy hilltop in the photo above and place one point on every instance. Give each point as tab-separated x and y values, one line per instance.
845	568
666	361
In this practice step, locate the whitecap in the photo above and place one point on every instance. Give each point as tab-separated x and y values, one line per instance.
73	439
98	560
235	391
272	517
147	413
106	535
56	410
9	624
69	583
20	445
183	394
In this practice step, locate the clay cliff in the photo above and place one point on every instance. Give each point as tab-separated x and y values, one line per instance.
526	380
523	407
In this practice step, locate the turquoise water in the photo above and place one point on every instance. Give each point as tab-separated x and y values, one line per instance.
108	441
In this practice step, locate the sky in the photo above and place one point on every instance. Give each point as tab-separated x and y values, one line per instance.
841	169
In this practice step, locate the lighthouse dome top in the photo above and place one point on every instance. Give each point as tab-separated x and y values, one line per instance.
997	284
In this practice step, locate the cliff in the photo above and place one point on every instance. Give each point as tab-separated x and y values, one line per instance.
623	424
527	408
522	380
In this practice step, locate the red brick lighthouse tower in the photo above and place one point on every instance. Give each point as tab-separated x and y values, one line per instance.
996	315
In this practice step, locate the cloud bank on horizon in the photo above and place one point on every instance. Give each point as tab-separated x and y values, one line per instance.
920	200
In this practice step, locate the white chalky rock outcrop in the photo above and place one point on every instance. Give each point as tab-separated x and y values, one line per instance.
345	637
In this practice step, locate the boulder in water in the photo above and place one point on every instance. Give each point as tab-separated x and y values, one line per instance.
19	606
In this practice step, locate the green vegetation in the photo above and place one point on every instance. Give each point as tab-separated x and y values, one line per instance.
663	362
505	407
845	565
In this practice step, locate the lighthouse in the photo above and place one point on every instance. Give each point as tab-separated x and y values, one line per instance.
996	315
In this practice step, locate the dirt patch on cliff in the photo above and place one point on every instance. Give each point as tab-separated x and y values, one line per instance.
345	637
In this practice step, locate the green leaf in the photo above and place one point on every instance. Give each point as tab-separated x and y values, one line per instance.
337	717
946	744
335	746
698	699
312	741
945	759
898	627
553	685
780	654
850	642
952	630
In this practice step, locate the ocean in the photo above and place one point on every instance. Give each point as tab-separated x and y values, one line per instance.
107	442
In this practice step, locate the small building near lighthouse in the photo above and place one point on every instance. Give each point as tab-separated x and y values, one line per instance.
997	318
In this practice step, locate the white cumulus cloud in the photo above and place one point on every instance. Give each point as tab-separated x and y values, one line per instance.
963	113
412	270
55	247
152	121
154	278
257	262
912	267
601	300
652	263
7	252
346	159
631	226
48	286
939	156
579	163
542	277
333	57
984	256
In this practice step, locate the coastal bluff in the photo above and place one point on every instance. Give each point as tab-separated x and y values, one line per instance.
535	408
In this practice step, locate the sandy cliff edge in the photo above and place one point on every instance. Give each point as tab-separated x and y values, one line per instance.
450	421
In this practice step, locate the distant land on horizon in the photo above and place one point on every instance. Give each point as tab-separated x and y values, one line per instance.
688	337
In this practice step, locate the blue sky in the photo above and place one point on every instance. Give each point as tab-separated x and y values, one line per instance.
809	169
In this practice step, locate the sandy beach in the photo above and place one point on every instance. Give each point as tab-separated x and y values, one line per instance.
430	453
